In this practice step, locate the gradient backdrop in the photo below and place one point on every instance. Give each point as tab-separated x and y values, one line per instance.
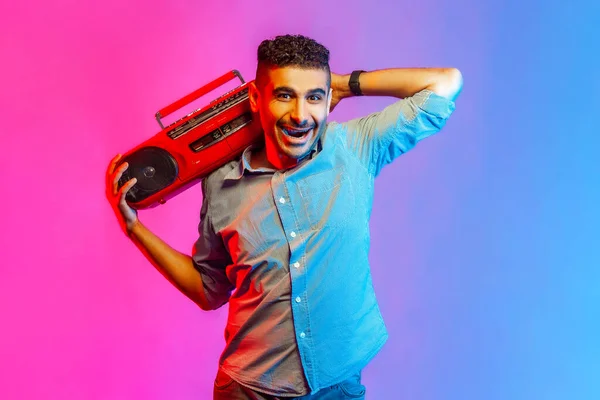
486	246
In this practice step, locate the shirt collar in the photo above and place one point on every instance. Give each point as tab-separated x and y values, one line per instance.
244	165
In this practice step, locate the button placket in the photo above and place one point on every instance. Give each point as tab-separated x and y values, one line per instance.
284	203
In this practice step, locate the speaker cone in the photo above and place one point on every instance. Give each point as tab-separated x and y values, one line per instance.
154	169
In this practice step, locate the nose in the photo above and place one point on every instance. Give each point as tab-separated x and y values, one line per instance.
299	115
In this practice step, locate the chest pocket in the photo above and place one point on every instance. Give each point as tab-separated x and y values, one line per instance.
328	198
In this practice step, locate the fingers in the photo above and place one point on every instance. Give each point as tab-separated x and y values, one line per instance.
111	170
117	175
112	164
123	192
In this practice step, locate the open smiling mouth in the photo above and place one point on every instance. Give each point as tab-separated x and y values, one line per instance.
296	133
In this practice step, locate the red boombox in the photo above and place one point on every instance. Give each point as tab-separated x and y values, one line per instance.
192	147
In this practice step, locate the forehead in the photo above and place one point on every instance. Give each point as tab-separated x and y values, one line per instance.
298	79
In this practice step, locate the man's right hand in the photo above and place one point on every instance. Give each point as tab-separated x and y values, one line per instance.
126	215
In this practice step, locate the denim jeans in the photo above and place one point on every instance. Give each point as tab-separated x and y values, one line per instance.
225	388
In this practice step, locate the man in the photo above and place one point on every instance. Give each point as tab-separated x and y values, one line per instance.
284	233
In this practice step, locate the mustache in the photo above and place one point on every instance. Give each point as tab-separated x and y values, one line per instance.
296	126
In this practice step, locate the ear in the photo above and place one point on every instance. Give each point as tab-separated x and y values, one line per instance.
254	96
329	98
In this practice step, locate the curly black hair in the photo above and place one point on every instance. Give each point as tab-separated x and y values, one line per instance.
292	50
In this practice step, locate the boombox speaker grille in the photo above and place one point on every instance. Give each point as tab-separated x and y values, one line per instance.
154	169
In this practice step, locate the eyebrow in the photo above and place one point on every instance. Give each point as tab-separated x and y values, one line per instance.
286	89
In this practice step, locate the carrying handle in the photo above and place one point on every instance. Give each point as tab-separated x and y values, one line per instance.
197	94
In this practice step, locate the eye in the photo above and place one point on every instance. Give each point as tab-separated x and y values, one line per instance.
314	98
283	96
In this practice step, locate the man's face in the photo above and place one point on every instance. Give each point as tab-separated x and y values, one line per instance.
293	104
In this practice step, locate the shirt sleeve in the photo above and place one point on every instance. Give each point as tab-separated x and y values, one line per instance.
211	258
377	139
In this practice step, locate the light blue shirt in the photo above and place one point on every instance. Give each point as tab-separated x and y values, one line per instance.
289	251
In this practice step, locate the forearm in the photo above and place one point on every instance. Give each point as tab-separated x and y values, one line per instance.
405	82
177	267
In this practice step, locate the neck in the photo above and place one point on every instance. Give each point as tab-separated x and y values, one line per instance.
269	157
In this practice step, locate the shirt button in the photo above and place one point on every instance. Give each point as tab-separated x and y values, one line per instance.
282	200
293	234
298	299
296	265
302	335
